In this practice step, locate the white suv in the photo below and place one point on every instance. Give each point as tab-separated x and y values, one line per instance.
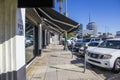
106	55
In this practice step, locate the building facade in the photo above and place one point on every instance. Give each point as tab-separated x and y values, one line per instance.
79	31
24	33
92	26
91	32
117	34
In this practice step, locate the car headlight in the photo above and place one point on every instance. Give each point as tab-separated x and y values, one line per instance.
106	56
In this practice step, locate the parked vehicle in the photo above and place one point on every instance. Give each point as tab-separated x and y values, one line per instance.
78	44
91	45
106	38
71	42
106	55
89	40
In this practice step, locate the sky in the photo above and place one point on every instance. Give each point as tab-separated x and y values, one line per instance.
105	13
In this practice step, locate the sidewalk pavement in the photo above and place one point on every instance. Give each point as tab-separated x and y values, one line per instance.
57	64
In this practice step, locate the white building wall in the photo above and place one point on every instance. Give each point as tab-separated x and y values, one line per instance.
20	38
12	46
7	35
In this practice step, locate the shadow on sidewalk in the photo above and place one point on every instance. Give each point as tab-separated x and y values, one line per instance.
65	69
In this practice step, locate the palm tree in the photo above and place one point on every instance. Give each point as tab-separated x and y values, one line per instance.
60	7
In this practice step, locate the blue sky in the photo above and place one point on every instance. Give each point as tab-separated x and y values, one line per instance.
106	13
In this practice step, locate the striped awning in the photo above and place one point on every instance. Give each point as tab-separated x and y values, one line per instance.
58	20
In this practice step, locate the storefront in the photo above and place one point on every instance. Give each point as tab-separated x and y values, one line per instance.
24	33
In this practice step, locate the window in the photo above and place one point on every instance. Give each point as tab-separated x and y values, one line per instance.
97	39
110	44
93	44
29	40
86	40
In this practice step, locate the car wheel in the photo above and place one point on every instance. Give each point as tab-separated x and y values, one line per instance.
116	67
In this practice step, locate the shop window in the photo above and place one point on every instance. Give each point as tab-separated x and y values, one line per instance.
29	40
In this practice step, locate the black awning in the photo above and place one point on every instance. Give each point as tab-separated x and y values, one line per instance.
61	21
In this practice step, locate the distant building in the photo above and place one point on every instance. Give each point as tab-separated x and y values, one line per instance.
79	31
92	26
117	34
91	32
107	35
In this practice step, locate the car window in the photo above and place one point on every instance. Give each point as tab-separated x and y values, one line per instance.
93	44
79	40
97	39
86	40
92	40
110	44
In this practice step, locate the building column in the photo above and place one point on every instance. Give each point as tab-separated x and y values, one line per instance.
60	39
40	39
48	38
36	49
65	43
45	34
12	41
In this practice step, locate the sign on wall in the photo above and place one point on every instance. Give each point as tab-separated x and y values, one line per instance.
35	3
20	29
19	23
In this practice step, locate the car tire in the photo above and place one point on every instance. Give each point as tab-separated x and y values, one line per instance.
116	67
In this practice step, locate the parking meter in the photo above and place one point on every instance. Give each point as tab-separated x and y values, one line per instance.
85	48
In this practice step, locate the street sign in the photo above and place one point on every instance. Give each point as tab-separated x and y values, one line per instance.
35	3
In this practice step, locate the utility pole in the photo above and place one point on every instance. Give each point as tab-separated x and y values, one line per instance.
89	18
65	45
66	13
105	32
108	30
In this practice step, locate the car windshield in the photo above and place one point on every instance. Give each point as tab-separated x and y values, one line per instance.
86	40
110	44
93	44
79	40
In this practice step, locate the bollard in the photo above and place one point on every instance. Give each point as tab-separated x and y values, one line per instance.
84	63
85	54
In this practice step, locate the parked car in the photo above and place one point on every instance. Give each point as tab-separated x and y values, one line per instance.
106	55
91	45
71	42
89	40
78	44
106	38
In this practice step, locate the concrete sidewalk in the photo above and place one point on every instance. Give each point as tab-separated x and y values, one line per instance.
57	64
